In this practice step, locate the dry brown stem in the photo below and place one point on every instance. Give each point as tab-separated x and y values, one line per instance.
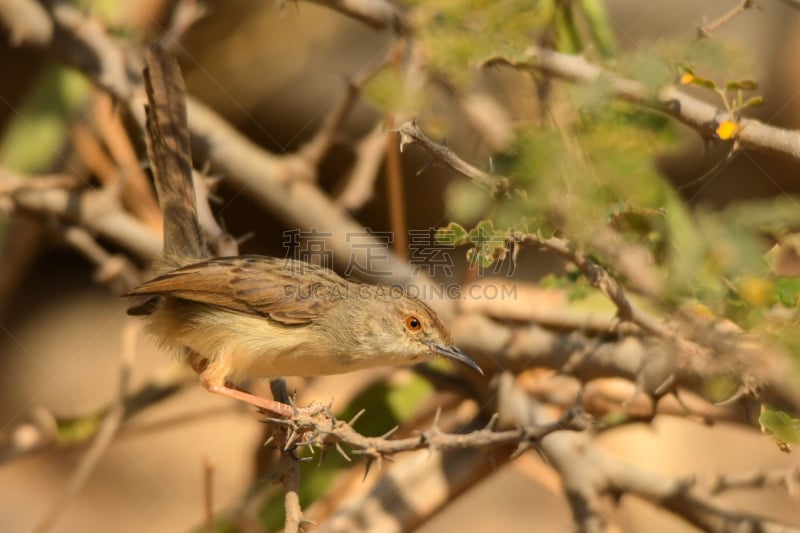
710	27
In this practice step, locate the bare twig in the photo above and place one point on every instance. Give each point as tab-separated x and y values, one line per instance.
708	28
109	267
11	183
291	485
406	495
517	345
27	22
221	242
184	16
99	211
19	248
360	183
394	170
410	133
95	159
397	203
698	115
421	482
320	144
787	479
137	195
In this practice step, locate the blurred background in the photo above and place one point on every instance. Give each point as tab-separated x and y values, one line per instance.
275	70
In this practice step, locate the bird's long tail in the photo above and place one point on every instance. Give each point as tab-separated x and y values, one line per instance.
168	148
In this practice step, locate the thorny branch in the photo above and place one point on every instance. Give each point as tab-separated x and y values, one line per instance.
325	431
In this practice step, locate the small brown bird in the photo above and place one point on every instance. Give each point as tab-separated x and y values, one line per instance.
239	318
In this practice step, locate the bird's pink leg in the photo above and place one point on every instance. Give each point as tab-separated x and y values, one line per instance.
270	406
212	376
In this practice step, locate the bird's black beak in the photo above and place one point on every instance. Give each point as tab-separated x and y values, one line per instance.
452	352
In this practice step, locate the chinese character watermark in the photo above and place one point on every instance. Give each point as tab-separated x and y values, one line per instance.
308	246
430	252
425	252
375	246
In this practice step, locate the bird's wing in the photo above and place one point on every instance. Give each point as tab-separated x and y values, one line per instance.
291	292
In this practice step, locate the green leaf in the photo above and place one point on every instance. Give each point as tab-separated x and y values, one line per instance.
453	234
754	102
703	82
554	281
781	426
786	290
741	85
594	11
480	256
720	388
483	231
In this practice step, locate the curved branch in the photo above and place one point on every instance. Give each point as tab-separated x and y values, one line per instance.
698	115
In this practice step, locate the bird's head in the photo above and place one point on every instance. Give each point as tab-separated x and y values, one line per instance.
402	328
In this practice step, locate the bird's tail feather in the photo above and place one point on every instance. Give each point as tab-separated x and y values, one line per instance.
168	147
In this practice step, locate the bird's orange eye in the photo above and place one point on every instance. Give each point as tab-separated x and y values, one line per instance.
413	323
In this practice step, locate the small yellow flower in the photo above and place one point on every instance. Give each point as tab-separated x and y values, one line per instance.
687	78
727	130
702	311
756	291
